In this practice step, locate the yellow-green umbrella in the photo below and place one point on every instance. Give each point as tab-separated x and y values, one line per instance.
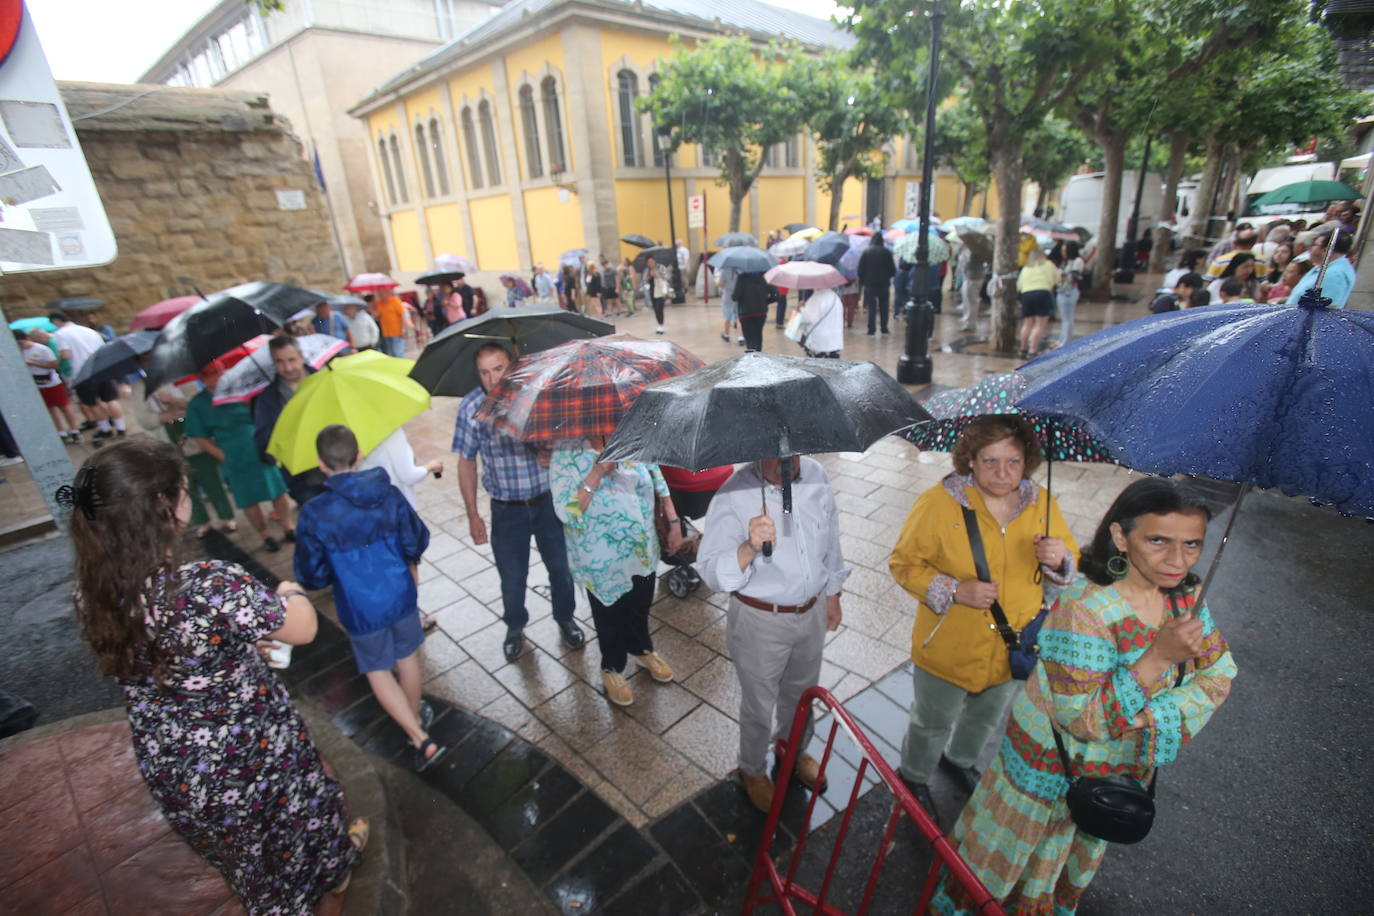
807	234
370	393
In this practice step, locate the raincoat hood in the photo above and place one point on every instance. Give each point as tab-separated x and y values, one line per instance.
364	489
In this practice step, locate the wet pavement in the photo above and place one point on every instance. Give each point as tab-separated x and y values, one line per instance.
630	810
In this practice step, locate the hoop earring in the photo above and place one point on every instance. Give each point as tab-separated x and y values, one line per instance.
1117	567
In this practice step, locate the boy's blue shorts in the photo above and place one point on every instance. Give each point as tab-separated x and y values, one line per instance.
381	649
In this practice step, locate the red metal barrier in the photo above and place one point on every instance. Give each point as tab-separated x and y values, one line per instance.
786	892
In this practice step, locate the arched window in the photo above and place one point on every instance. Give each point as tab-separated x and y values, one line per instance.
631	147
470	145
422	150
791	153
436	142
529	123
386	172
553	124
653	133
403	194
493	156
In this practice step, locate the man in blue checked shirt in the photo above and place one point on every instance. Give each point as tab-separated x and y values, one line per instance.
520	507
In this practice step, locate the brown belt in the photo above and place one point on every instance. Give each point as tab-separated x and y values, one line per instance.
774	608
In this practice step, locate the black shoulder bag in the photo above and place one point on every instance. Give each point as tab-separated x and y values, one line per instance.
1117	809
1022	648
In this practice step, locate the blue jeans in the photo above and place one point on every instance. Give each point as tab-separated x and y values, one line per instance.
511	527
394	346
1068	301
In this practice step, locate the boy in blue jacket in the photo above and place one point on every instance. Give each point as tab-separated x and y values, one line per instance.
361	537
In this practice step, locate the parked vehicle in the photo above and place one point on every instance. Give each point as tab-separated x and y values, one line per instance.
1271	179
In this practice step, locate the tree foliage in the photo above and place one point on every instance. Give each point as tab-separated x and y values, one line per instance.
850	117
1053	152
732	97
961	145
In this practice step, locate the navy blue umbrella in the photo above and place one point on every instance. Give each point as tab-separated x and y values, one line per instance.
1269	396
827	249
744	260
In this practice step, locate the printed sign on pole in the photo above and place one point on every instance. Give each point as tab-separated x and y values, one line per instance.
696	211
51	216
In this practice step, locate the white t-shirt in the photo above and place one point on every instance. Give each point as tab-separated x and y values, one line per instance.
36	352
80	341
394	455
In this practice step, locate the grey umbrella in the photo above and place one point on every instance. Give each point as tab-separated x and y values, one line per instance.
639	241
744	260
827	249
761	405
75	304
732	239
116	359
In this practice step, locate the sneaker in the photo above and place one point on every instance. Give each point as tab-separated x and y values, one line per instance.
120	433
74	438
10	462
658	669
759	788
617	690
725	337
740	341
270	545
660	330
103	434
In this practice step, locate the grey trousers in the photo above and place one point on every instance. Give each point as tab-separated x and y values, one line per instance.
776	656
941	708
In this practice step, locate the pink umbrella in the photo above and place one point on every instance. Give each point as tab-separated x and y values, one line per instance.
157	316
858	230
805	275
454	262
369	283
893	235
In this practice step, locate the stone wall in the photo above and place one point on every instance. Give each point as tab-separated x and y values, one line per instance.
189	179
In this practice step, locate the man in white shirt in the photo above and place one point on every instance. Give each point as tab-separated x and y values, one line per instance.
780	605
76	343
362	327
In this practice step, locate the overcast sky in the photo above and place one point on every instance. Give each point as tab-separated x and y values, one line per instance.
115	41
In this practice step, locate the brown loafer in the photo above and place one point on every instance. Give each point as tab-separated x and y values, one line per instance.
808	770
759	788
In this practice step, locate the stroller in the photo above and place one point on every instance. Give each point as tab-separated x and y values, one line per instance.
691	493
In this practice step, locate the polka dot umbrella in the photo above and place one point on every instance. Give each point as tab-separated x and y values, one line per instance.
955	409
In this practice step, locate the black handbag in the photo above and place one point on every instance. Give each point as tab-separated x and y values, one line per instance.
1117	809
1023	649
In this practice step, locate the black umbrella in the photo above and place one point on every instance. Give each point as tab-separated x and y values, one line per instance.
338	301
760	405
732	239
827	249
226	319
795	227
75	304
744	260
435	277
116	359
640	241
446	365
661	253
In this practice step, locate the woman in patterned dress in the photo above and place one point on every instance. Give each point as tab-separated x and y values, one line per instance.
607	510
223	751
1112	648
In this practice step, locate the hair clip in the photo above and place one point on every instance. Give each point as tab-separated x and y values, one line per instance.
81	494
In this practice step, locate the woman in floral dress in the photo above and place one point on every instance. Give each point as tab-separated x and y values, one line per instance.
1112	649
223	751
607	510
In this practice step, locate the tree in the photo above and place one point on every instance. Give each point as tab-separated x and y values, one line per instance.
850	119
961	145
1017	59
1053	151
731	97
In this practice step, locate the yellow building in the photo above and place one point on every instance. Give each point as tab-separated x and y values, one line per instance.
519	140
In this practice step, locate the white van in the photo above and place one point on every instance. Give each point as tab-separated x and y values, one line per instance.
1271	179
1081	202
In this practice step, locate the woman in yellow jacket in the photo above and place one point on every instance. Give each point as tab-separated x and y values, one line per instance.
1035	288
963	679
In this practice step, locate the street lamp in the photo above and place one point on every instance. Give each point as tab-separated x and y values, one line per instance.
665	136
914	366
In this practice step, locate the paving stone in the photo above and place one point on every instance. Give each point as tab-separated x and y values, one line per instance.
441	544
602	873
850	486
859	552
708	738
688	615
635	761
868	583
439	592
578	715
659	707
711	865
664	892
516	716
570	759
717	684
864	655
439	653
679	789
464	617
484	585
869	617
685	654
534	677
620	803
564	837
485	646
468	685
462	563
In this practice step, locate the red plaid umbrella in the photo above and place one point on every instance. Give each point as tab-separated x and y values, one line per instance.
580	388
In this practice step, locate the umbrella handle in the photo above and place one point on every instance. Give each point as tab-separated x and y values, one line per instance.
1225	536
767	549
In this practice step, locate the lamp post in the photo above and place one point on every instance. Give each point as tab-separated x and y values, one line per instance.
914	366
665	136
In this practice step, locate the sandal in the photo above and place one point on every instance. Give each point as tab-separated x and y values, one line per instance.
230	526
422	762
358	832
427	623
